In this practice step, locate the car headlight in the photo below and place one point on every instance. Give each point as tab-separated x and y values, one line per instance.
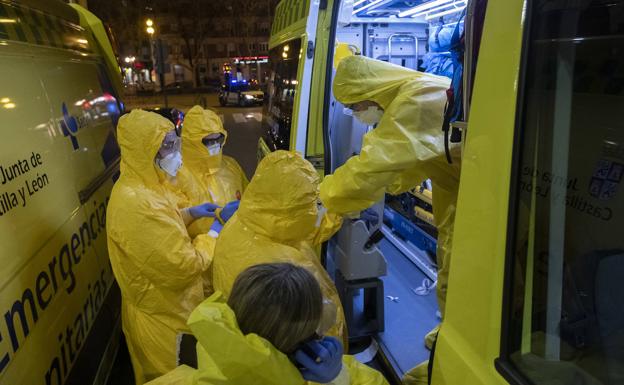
249	97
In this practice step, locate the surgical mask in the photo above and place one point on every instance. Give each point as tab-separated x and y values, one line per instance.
214	149
371	116
171	163
320	214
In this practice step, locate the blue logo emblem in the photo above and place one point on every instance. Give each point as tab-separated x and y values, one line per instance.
70	126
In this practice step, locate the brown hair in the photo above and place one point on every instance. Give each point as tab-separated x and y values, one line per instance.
280	302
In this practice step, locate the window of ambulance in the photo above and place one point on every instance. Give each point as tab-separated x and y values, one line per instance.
281	89
565	320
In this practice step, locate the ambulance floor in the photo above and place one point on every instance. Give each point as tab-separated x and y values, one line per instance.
408	316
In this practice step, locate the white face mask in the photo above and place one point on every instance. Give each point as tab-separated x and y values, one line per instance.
320	214
214	149
171	163
371	116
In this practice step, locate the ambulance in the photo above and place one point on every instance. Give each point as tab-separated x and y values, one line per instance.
535	293
59	104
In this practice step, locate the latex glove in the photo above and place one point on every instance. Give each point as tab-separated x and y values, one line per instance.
204	210
370	217
229	210
215	229
321	360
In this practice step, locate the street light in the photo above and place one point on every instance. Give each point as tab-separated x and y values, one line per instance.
150	31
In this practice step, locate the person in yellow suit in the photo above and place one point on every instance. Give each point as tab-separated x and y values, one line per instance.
207	175
266	334
406	147
279	221
157	265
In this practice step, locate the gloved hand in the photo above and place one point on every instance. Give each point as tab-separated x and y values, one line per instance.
321	360
215	229
204	210
229	210
370	217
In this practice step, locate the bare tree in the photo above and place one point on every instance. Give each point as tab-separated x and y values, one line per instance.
245	15
125	19
192	19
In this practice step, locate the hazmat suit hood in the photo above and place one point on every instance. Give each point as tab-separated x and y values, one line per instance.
140	135
199	123
282	193
359	78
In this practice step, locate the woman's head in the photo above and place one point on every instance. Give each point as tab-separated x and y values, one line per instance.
280	302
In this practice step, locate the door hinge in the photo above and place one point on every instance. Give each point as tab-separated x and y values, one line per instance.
310	50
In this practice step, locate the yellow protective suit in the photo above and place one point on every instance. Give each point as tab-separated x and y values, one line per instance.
203	177
153	258
405	148
225	356
278	221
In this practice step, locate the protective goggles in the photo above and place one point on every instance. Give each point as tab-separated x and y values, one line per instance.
170	144
207	141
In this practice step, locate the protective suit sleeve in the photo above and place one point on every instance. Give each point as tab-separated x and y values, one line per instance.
205	245
182	375
360	374
330	224
392	154
419	375
158	236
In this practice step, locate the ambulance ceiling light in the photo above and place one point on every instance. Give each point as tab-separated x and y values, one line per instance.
367	6
457	7
424	7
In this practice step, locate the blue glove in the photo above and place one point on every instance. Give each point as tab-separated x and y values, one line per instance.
204	210
216	227
321	360
229	210
370	216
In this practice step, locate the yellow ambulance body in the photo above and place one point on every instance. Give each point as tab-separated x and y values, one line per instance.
59	102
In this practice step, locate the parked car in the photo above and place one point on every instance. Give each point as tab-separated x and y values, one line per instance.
240	93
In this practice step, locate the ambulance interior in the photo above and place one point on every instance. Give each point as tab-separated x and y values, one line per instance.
421	35
391	288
